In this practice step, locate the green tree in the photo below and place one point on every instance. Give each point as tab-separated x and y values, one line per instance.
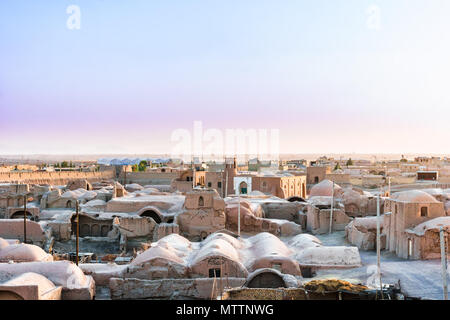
349	162
134	168
142	165
64	164
338	166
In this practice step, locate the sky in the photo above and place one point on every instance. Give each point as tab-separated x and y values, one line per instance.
335	76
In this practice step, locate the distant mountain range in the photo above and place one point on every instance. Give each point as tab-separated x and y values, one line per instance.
40	158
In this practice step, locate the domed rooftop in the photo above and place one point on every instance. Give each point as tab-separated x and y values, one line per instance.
30	278
226	237
434	191
415	196
324	189
23	253
61	273
179	243
216	247
157	252
265	243
433	224
172	247
303	241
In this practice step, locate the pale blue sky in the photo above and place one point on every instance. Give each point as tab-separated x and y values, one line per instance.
137	70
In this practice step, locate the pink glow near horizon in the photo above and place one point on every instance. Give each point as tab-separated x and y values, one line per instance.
322	78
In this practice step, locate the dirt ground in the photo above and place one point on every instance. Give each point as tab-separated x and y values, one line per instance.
418	278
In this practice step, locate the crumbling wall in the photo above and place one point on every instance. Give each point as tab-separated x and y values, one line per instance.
136	226
318	220
205	288
54	178
164	229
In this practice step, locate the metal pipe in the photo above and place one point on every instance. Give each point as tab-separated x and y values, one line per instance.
25	218
443	263
193	174
78	231
389	189
332	208
379	245
226	181
239	211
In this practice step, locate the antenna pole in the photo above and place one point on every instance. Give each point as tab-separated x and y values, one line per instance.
239	211
379	245
332	209
78	230
443	263
25	218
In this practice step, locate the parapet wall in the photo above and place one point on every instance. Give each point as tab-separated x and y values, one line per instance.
55	178
149	178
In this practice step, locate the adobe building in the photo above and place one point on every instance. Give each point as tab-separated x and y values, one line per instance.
322	197
315	174
229	181
427	175
283	185
75	284
174	266
203	214
221	181
424	239
252	219
357	203
79	184
12	196
225	255
319	213
29	286
14	229
362	232
406	210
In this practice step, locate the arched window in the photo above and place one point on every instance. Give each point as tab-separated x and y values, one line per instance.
151	214
316	179
424	212
243	187
201	201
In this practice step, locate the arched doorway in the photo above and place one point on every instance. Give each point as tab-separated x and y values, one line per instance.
19	215
105	230
296	199
85	230
95	230
151	214
9	295
243	187
266	279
